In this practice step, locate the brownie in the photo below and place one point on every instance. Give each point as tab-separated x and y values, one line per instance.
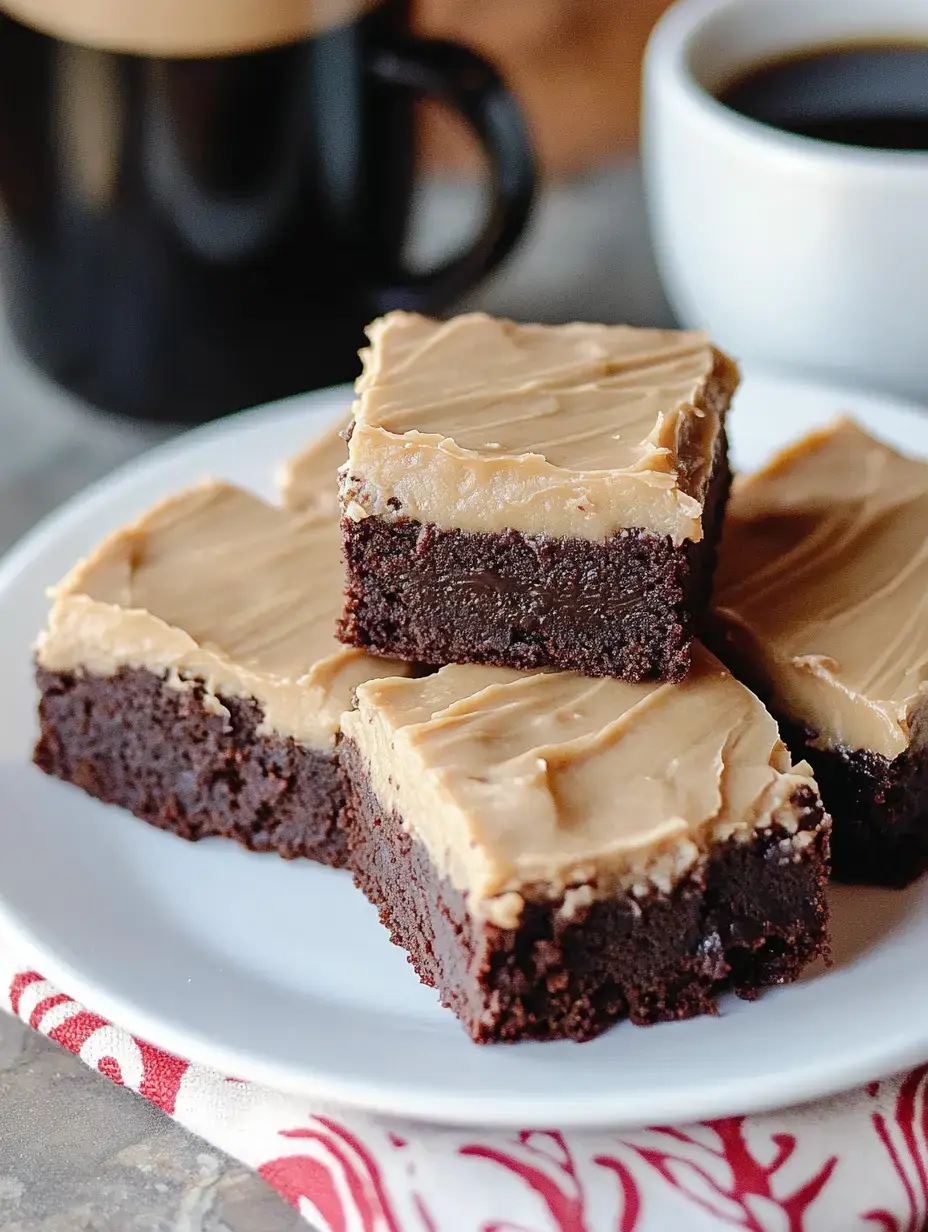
190	672
556	854
129	739
534	496
821	607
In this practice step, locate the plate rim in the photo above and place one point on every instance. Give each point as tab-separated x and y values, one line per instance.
730	1096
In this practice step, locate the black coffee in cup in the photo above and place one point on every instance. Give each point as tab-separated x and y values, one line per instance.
865	95
206	200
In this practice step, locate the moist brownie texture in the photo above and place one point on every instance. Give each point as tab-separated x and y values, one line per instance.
822	606
190	672
164	754
881	837
557	853
532	496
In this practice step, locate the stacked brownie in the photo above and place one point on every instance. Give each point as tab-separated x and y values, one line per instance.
534	496
566	809
557	851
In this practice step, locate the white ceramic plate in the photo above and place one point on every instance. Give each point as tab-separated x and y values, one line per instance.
281	972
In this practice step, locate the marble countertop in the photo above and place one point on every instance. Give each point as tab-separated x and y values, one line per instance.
78	1154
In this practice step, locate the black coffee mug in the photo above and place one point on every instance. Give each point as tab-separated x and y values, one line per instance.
205	201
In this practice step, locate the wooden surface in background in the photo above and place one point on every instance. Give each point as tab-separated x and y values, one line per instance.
575	65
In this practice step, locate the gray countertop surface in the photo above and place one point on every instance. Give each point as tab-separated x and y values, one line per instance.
78	1154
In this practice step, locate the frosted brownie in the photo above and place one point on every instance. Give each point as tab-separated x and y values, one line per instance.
823	607
190	672
529	496
557	853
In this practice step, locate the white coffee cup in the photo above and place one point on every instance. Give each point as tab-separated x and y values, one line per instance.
791	252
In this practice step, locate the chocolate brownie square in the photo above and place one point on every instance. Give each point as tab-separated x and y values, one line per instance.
557	853
822	606
190	672
534	496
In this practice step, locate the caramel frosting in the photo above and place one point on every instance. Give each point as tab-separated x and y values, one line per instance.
575	431
309	480
823	587
527	785
215	587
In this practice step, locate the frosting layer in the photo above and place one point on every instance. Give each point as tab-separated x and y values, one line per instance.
568	430
544	784
309	480
214	585
822	588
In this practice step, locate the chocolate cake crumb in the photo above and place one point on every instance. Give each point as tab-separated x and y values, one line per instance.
130	739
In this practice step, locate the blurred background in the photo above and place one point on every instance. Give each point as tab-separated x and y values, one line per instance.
573	64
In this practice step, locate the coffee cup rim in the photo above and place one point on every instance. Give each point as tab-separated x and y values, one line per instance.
667	67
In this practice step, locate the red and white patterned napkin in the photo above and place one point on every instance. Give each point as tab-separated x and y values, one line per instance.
858	1161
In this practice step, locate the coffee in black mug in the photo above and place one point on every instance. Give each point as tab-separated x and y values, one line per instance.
206	200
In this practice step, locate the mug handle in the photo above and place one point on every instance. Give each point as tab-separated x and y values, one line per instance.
452	74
